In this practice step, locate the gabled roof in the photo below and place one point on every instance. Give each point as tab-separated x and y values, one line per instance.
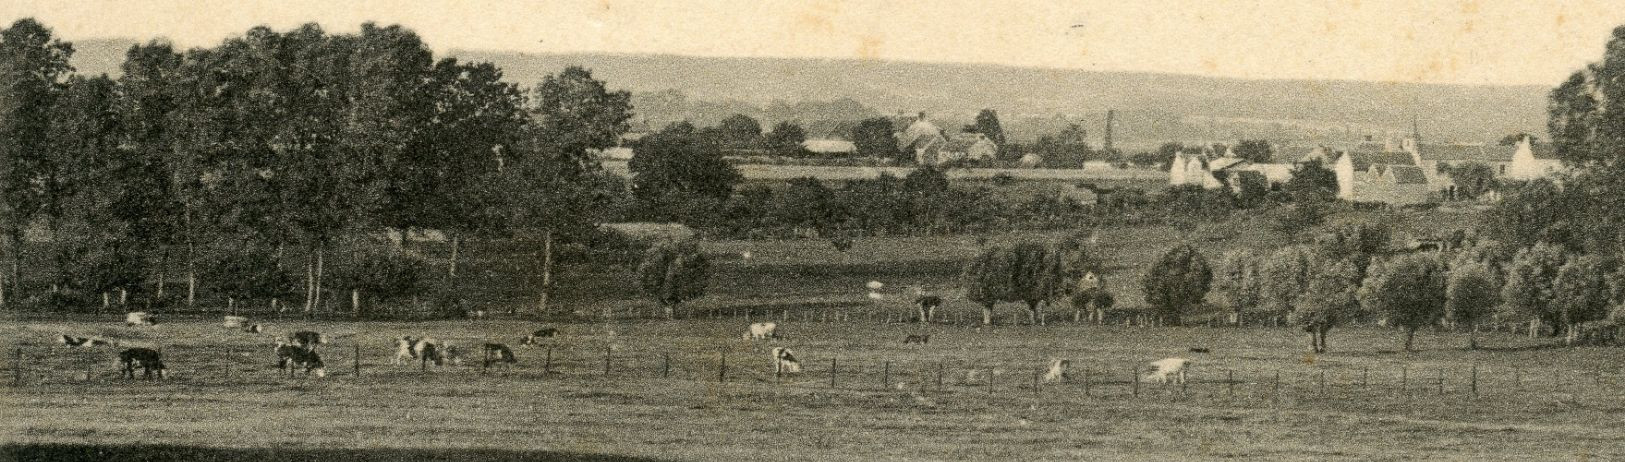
1408	174
1466	152
1364	160
1226	162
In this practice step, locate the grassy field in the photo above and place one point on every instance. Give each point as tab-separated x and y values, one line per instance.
1533	403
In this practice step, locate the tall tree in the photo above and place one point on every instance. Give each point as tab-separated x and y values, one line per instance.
739	131
1409	291
83	149
1530	291
1472	297
1329	299
1177	282
785	139
1238	282
674	273
1285	275
1028	272
32	66
677	163
146	103
576	113
1258	151
1312	182
1472	179
987	123
1581	292
876	137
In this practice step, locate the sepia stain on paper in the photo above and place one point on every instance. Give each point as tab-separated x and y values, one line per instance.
869	46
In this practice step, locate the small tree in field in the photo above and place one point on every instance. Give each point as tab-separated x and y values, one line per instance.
673	273
1328	299
1529	290
1471	297
1177	282
1027	272
1284	275
1582	293
1409	291
1238	282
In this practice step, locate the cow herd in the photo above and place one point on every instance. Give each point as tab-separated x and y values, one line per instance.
298	351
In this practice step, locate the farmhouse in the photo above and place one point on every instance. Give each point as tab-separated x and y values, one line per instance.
1215	172
1388	177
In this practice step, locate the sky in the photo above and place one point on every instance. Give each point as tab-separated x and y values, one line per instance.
1455	41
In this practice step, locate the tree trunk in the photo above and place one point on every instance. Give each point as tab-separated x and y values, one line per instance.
274	302
105	303
310	285
355	302
1472	337
163	274
1032	313
321	257
987	315
1237	319
455	243
1410	337
1077	315
1534	327
231	305
671	310
1314	340
547	272
1323	331
123	296
191	272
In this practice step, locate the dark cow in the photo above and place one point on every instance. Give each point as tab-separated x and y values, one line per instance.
535	337
928	304
920	339
289	355
84	342
498	353
147	358
1199	350
307	339
254	328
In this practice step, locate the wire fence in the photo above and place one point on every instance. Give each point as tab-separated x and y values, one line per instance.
53	365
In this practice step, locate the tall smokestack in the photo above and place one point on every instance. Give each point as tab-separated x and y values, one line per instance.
1111	117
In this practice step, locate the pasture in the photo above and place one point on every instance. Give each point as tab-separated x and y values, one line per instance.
662	397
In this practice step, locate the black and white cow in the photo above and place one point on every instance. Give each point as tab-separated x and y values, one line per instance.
147	358
784	362
928	304
426	349
290	355
84	342
306	339
920	339
140	318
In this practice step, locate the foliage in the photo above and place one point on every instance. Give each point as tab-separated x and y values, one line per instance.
738	131
678	162
1536	211
1409	291
1239	280
874	137
987	123
1177	282
1581	292
785	139
1516	138
1256	151
244	275
1472	179
1471	295
1027	272
1530	282
673	273
1329	298
1312	182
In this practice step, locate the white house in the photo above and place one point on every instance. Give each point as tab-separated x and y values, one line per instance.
1531	161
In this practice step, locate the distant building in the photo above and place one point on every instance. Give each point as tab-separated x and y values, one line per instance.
921	138
966	146
927	142
1531	160
829	146
1213	172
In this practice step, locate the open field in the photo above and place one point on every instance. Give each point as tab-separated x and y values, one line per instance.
1533	402
829	173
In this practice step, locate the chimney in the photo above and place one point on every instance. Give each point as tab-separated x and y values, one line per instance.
1111	117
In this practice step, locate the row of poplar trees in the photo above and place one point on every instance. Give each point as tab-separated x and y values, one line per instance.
278	145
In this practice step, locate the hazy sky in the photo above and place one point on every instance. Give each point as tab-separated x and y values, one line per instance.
1479	42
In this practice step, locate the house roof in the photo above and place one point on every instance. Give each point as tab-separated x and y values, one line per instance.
1276	173
1466	152
1226	162
1408	174
1544	151
829	146
961	142
1364	160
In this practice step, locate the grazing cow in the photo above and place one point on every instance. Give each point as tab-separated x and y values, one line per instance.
84	342
147	358
498	353
534	338
139	318
307	339
784	362
920	339
1059	369
233	322
928	304
1199	350
1170	369
406	349
762	331
254	328
291	355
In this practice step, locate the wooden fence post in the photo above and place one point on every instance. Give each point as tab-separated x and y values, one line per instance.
1134	374
665	365
485	364
17	367
722	372
1323	382
1474	382
1086	382
939	376
547	364
1404	377
990	381
833	367
885	376
1230	379
227	371
1364	370
1036	373
607	353
1275	392
1441	381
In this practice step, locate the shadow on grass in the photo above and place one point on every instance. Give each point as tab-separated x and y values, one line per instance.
160	453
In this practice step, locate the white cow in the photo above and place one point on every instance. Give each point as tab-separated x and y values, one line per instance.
1170	369
139	318
233	322
784	361
762	331
1059	370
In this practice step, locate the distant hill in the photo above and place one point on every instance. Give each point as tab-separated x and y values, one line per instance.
1152	108
1156	106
